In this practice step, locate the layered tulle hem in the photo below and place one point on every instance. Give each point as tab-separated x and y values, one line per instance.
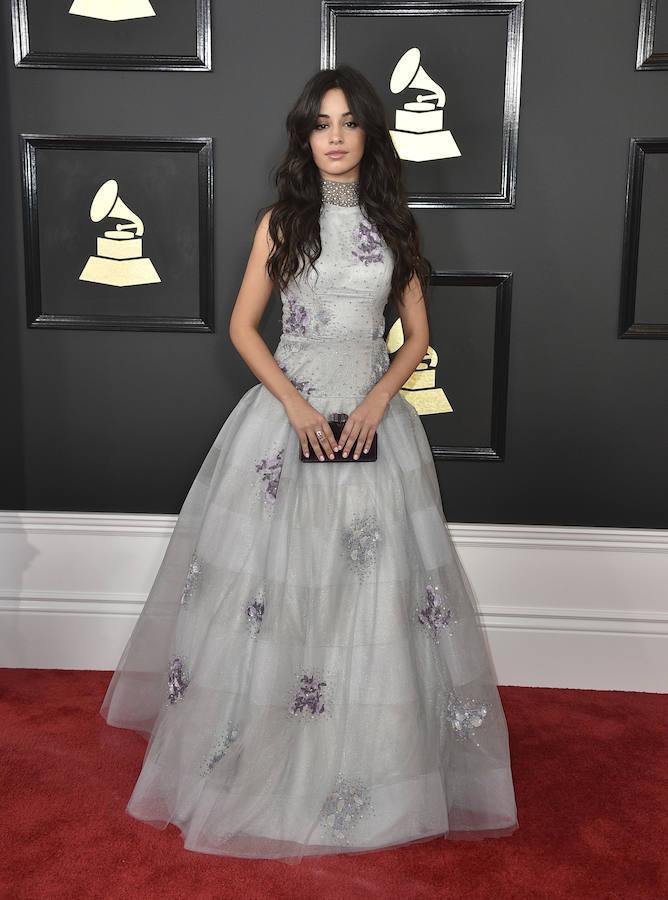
293	854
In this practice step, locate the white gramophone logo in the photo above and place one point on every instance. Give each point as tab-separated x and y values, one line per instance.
420	387
119	261
112	10
419	134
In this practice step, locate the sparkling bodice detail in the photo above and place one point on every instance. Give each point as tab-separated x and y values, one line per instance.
340	193
332	341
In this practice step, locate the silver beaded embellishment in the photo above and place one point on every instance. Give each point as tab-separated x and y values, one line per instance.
193	576
220	748
434	615
359	542
178	679
254	613
270	469
345	806
326	364
465	715
321	318
369	243
340	193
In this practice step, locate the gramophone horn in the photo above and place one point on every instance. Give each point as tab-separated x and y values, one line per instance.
107	203
409	73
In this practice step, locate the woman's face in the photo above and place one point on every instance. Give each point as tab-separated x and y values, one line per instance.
337	131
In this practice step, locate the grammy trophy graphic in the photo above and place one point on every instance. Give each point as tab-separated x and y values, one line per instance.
119	261
420	388
112	10
419	134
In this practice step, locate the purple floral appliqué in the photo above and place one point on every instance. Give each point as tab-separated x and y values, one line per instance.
297	317
369	243
304	387
434	615
254	613
270	467
309	697
178	679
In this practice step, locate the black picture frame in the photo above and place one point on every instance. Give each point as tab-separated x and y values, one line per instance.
502	282
628	326
37	317
27	58
648	58
504	198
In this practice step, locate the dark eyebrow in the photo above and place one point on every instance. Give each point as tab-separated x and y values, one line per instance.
325	116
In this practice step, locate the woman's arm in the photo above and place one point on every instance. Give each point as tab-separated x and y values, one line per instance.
413	314
249	308
362	423
247	313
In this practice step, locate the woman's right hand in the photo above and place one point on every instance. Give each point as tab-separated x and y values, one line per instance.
306	420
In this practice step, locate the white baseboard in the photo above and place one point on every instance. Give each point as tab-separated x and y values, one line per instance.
562	606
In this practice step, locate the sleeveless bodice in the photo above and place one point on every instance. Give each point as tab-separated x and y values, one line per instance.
332	339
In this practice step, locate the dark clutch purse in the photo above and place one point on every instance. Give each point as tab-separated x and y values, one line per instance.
336	423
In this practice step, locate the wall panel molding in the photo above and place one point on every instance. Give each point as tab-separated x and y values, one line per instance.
561	606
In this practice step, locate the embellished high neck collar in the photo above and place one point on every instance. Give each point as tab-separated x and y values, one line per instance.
340	193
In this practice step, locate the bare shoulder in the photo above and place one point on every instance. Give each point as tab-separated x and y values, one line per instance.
262	233
263	225
262	236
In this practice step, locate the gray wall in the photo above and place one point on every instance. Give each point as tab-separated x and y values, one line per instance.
120	421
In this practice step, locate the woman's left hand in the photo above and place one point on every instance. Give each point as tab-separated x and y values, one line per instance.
362	423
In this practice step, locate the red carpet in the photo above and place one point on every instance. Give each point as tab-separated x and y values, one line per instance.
590	771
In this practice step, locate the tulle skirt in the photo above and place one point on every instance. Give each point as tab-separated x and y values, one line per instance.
309	668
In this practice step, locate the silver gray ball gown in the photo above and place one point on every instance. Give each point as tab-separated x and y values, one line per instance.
309	668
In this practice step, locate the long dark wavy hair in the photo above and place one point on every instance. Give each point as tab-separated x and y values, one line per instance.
294	225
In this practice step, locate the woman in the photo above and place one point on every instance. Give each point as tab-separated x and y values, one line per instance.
308	667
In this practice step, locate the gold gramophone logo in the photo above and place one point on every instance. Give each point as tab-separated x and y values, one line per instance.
119	261
112	10
419	134
420	389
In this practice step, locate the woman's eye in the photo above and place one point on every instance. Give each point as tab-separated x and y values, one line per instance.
324	125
